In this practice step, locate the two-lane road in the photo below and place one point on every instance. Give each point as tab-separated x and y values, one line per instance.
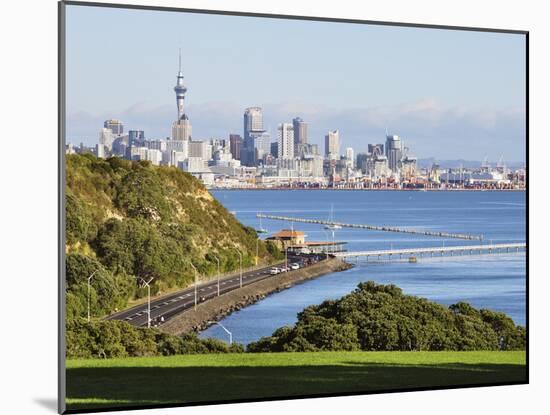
174	303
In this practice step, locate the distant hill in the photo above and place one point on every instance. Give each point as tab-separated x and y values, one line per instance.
130	221
467	164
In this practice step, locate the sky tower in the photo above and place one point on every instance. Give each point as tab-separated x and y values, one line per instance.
181	128
180	91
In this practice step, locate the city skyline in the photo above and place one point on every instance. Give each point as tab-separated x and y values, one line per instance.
494	126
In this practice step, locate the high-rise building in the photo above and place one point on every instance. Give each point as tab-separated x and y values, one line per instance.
253	121
253	128
115	126
376	149
275	149
394	152
285	140
136	138
106	138
300	136
350	157
332	145
235	143
181	128
262	146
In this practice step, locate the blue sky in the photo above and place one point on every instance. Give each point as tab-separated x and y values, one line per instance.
449	94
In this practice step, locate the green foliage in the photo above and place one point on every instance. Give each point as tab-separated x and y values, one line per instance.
111	339
108	291
381	317
133	220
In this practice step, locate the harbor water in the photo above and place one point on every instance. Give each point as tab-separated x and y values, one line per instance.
494	281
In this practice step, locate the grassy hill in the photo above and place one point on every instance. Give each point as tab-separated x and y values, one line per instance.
131	220
98	383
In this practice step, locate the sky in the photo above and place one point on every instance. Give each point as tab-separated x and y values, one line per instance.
448	94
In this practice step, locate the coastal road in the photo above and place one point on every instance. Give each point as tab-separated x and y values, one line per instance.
169	305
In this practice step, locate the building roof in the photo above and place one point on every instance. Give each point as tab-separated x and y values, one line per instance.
288	233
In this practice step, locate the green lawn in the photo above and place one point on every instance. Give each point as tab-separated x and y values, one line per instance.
217	377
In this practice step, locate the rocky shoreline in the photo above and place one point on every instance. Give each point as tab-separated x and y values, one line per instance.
217	308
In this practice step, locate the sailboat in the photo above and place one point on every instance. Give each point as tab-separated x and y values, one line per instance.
332	226
261	229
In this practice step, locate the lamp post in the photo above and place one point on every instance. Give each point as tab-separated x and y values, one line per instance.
147	284
196	282
218	260
89	281
240	266
286	257
257	240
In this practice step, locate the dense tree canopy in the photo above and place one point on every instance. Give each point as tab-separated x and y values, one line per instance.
381	317
130	220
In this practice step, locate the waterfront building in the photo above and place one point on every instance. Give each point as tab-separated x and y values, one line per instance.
115	126
285	140
332	145
300	136
408	168
287	237
235	143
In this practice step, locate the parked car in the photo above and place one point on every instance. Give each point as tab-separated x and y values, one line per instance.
294	266
274	271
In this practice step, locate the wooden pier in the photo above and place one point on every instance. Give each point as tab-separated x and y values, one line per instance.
375	227
435	251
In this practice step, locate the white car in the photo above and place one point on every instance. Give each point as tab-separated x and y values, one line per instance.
294	266
274	271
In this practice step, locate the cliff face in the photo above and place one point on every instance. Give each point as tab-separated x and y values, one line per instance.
135	220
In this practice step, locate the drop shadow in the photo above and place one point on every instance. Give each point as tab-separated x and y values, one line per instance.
49	403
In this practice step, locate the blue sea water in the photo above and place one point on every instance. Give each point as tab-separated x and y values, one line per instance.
496	282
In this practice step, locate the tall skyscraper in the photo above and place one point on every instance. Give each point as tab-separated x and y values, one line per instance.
253	128
300	136
332	145
253	121
285	141
115	126
394	152
350	157
235	143
181	128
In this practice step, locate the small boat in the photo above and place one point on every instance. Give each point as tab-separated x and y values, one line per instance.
413	260
332	226
261	228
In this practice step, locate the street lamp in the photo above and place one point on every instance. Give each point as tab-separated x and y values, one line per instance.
196	282
218	260
225	329
241	266
89	281
147	284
